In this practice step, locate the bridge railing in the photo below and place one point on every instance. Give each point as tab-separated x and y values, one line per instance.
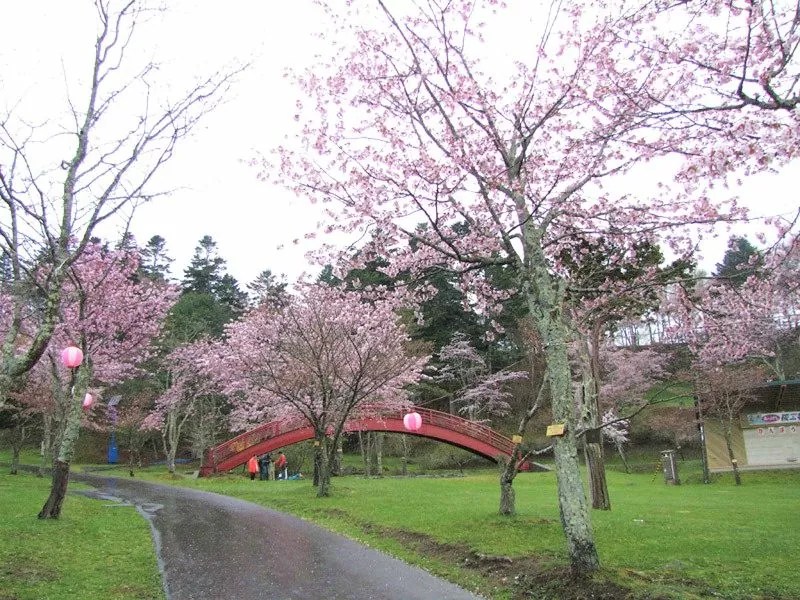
473	429
250	438
265	431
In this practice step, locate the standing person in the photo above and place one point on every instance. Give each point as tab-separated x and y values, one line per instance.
263	466
280	466
252	467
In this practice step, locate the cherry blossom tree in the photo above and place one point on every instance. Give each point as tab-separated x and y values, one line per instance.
503	163
726	324
480	394
132	437
117	130
723	393
113	316
617	431
189	381
325	357
608	285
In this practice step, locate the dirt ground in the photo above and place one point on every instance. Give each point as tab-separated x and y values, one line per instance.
527	577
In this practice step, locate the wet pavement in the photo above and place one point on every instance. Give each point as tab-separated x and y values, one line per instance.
211	546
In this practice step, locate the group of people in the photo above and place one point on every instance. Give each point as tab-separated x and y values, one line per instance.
266	468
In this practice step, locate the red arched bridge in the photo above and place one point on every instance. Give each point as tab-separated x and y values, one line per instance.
436	425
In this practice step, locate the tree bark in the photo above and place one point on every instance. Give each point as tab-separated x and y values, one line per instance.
318	458
336	465
404	459
508	497
79	380
573	509
58	491
378	453
14	459
545	303
737	476
323	489
598	486
590	414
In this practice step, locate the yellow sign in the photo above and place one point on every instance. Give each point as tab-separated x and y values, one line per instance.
517	439
316	443
555	430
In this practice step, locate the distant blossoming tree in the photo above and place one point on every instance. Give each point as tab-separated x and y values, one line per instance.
189	380
480	394
324	357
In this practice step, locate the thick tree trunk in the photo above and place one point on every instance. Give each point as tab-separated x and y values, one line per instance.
598	487
58	491
573	509
78	384
571	496
508	498
590	413
545	305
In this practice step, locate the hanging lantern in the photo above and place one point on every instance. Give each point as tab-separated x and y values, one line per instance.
88	400
412	421
71	357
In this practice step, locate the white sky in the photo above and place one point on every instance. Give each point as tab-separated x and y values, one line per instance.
254	223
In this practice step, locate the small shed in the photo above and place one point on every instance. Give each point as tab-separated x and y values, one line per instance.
767	434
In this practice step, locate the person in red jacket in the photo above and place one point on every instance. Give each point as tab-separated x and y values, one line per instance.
252	467
280	467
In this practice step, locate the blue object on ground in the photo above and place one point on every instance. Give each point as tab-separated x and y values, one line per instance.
113	452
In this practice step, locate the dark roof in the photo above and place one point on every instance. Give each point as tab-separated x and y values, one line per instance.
778	393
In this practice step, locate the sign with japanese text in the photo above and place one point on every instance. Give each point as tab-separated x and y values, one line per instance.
773	418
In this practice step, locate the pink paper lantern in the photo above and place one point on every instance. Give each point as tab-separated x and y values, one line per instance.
412	421
88	401
71	357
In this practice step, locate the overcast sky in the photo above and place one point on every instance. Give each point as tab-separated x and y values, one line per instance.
257	226
254	223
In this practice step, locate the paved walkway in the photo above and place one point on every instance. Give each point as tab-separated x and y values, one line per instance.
212	546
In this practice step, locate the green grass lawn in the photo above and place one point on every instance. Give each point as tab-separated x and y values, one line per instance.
687	541
95	550
658	541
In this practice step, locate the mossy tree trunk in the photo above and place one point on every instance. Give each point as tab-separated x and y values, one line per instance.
545	298
79	381
324	485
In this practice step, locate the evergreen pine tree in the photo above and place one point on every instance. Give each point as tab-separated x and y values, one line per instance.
155	260
741	260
